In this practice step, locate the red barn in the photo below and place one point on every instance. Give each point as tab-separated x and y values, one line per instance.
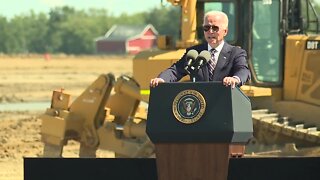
129	39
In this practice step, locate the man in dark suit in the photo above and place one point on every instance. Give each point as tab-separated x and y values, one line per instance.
228	63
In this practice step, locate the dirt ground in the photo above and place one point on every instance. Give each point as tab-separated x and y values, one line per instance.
33	78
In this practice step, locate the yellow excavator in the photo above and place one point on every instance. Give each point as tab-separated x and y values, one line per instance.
282	40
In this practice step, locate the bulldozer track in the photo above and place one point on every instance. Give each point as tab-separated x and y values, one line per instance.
282	127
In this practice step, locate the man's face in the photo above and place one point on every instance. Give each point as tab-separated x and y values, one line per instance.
214	30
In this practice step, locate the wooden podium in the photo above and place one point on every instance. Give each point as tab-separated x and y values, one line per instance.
196	128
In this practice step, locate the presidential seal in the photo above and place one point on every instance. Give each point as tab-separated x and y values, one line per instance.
188	106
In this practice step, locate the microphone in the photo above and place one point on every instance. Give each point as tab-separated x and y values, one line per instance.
191	57
203	58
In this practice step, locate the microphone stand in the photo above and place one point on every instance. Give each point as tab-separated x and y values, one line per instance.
193	79
194	71
193	74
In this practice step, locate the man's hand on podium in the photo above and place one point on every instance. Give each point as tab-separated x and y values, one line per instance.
231	81
154	82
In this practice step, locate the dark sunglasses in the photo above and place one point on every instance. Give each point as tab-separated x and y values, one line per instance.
208	27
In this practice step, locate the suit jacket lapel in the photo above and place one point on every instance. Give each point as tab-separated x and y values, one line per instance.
223	59
205	72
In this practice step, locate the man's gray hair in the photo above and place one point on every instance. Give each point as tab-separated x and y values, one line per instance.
218	13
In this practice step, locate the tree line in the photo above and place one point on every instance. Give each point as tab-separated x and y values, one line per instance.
70	31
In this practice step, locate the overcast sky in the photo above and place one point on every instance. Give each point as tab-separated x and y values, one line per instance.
10	8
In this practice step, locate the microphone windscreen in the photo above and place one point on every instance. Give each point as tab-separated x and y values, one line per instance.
205	56
192	54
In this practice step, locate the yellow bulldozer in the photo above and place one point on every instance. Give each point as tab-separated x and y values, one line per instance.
282	40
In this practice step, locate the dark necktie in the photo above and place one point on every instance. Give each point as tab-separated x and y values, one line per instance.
211	64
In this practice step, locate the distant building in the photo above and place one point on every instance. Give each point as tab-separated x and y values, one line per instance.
129	39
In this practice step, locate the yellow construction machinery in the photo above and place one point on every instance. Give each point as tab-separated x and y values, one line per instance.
282	40
89	121
280	37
